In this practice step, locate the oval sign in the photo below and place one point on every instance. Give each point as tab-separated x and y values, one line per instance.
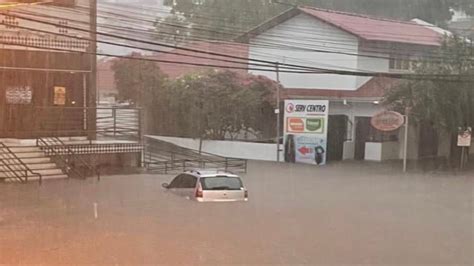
387	121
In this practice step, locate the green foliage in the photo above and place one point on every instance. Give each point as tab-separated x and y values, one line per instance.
210	104
143	83
219	104
448	104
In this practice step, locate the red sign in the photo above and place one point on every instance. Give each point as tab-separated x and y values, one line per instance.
305	150
295	125
387	121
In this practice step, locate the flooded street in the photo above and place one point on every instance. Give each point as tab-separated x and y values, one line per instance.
340	214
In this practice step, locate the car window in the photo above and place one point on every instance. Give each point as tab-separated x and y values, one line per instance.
221	183
189	181
177	182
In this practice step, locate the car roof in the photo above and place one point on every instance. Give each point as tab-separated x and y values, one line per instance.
211	173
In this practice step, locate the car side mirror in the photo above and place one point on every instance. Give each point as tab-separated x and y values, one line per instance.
165	185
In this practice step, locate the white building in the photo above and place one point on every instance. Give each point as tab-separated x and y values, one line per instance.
343	41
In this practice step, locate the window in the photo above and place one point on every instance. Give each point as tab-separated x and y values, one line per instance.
177	182
189	181
402	63
183	181
221	183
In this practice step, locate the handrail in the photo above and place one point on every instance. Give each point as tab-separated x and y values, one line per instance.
67	167
75	156
10	170
160	155
25	166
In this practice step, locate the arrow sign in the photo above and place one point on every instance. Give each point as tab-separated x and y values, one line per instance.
304	150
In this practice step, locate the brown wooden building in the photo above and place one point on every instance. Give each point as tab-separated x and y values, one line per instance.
47	79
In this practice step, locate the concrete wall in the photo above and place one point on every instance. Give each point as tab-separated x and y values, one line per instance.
349	150
233	149
375	151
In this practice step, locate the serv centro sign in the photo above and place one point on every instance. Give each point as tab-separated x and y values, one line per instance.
387	121
305	131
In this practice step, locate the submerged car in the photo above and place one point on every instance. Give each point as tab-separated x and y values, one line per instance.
208	186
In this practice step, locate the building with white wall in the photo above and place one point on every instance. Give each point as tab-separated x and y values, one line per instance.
357	43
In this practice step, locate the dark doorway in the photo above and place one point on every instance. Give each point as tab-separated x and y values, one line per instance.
361	136
428	147
337	132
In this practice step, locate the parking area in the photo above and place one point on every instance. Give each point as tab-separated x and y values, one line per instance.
343	214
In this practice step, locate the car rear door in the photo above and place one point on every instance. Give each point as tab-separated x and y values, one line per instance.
222	188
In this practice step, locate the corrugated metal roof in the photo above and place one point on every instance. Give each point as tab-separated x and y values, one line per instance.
377	29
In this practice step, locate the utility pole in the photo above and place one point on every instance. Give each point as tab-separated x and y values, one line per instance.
92	91
405	146
277	110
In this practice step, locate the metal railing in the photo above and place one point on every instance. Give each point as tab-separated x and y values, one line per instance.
13	167
165	157
66	158
94	122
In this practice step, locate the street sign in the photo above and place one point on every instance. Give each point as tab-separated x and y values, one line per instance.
465	137
387	121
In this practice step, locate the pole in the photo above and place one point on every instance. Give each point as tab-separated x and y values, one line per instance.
405	149
277	68
92	92
462	158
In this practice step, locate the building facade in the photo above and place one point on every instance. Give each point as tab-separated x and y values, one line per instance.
47	75
357	43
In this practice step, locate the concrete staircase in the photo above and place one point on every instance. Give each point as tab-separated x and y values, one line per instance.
36	160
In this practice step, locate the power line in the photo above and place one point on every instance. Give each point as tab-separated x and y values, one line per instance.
269	44
374	50
431	77
327	71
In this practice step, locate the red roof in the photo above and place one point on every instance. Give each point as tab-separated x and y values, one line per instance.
377	29
219	47
374	88
105	74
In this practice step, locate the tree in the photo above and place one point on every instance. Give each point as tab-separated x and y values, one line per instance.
447	104
143	83
173	29
220	104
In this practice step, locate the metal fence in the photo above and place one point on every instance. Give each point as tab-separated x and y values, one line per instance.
107	122
164	157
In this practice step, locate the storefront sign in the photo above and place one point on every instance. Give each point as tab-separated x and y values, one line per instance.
19	95
305	131
59	96
465	138
387	121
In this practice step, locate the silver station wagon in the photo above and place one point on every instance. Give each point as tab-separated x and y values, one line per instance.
208	186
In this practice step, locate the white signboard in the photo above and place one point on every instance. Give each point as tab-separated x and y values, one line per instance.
465	138
19	95
305	132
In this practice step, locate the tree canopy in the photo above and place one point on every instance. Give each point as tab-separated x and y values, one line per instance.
209	104
446	104
221	104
